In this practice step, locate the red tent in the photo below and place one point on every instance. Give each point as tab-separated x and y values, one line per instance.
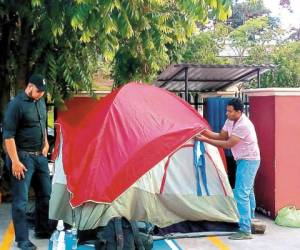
114	141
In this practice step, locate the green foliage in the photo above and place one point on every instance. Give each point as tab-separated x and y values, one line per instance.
287	60
163	28
259	54
245	10
249	34
65	39
202	49
262	40
258	41
256	32
285	57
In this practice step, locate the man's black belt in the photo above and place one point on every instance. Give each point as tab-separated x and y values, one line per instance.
36	153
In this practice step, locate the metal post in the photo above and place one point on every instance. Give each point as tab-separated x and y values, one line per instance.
190	98
186	70
258	78
196	101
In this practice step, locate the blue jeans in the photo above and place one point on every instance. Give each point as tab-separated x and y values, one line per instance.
243	192
252	203
37	175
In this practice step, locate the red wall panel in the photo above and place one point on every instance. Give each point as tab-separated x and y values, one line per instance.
263	116
277	122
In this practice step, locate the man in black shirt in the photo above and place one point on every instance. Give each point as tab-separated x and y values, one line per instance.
25	140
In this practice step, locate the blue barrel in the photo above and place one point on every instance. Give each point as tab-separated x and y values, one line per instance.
215	113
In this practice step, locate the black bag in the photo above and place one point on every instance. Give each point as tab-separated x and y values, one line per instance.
120	234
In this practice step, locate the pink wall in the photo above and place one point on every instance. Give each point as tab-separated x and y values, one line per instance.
287	151
277	122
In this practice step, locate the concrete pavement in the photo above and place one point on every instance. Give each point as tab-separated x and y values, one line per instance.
275	238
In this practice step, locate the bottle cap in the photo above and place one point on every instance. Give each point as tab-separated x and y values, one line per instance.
60	225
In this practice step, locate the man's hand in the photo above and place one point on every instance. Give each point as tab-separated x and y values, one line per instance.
201	137
45	149
18	170
205	132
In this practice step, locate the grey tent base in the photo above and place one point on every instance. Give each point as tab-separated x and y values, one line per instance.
190	235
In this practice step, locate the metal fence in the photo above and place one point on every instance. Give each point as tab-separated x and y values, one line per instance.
198	102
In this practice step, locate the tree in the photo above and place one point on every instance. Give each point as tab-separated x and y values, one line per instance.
243	11
258	40
64	39
285	3
256	32
204	48
201	49
286	58
294	34
250	26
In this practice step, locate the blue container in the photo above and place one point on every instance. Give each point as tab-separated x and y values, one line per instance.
68	240
215	113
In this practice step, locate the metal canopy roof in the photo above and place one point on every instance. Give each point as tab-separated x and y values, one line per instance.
207	78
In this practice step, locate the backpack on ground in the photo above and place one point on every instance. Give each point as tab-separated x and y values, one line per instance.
121	234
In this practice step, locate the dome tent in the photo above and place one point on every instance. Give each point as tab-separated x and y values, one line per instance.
132	154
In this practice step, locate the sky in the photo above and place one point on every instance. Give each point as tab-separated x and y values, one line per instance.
288	19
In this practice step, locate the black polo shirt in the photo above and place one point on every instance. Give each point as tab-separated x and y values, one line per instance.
25	121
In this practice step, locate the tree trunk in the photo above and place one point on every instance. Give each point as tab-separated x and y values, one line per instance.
4	94
23	58
14	40
7	27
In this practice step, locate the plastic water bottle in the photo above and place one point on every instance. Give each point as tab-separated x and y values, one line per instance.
74	237
61	241
56	236
53	238
69	240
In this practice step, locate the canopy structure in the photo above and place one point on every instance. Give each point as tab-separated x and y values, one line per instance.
207	78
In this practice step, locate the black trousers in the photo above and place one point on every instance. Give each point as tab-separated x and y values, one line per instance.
37	175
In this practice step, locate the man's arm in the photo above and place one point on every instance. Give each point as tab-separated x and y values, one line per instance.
11	119
18	168
223	135
46	145
227	144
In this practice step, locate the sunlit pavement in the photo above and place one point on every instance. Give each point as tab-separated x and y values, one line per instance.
275	238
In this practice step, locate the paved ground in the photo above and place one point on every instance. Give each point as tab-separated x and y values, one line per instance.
275	238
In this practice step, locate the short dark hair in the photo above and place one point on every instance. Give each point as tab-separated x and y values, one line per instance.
237	104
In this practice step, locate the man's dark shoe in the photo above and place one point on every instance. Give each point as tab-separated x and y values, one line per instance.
42	235
240	235
26	245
